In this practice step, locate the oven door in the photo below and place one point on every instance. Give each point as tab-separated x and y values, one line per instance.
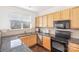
57	47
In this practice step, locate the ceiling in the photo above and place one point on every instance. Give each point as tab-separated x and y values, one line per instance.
36	8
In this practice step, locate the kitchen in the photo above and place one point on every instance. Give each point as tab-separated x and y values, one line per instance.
56	31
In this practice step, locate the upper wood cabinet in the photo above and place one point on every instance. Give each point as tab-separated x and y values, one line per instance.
65	14
40	21
44	21
57	16
50	20
36	21
74	18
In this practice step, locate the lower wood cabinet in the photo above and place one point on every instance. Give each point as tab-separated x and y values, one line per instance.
72	47
46	42
33	40
29	40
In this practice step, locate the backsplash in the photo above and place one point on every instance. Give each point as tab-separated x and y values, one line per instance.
74	33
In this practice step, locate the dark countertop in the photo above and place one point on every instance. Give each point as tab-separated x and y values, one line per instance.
72	40
46	34
26	34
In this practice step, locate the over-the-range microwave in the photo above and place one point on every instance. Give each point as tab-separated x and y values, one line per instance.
62	24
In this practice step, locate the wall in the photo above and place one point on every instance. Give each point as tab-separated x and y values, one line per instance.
8	13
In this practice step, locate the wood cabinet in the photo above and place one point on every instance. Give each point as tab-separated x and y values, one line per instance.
37	22
29	40
33	40
71	14
74	17
50	20
26	40
40	21
44	21
65	14
72	47
46	42
57	16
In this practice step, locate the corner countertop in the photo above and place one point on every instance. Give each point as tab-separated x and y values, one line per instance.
72	40
26	34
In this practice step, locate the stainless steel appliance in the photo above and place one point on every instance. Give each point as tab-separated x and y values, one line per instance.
62	24
60	41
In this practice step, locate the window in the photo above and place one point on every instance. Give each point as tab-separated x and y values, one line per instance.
26	24
16	24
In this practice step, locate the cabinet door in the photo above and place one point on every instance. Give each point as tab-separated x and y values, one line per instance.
26	40
36	21
50	20
65	14
44	21
74	18
40	21
46	42
57	16
33	40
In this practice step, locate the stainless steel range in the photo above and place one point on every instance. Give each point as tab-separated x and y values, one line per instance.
60	42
